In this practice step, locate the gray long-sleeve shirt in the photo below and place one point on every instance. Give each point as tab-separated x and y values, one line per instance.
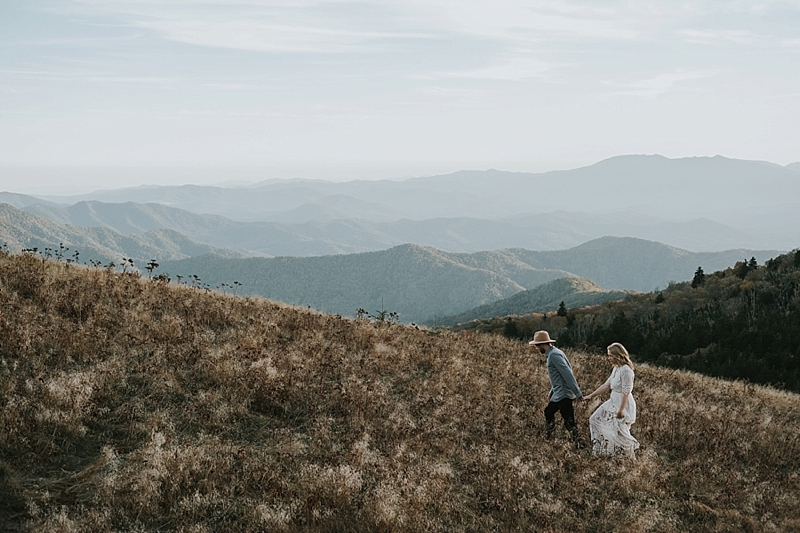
562	380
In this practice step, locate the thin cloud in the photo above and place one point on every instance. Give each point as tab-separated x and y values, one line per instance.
334	26
715	7
270	36
721	37
663	83
512	69
78	41
302	26
518	21
52	75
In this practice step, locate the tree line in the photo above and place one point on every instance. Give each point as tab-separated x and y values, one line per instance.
739	323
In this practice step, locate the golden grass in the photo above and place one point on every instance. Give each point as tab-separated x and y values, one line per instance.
133	405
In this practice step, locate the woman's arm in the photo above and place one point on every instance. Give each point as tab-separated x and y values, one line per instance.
602	389
622	403
625	388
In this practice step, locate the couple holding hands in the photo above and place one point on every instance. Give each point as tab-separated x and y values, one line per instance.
610	424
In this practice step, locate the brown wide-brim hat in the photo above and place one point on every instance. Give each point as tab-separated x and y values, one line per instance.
542	337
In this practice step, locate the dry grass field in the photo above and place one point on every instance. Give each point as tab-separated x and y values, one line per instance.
129	404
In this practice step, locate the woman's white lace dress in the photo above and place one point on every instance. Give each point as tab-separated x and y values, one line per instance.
612	435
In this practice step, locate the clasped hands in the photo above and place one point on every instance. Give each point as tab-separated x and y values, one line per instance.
585	399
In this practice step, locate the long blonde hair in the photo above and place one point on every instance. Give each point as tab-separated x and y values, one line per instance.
619	354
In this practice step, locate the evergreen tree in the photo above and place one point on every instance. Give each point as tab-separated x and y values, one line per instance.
562	309
740	269
699	278
510	329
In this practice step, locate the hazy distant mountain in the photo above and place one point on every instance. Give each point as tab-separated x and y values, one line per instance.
253	238
414	281
573	291
418	282
692	187
131	217
19	230
544	231
760	200
689	187
20	200
794	166
635	264
268	201
337	207
422	283
128	217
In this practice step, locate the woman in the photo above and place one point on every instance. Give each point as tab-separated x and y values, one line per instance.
610	424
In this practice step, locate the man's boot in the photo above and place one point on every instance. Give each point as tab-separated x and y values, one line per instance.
576	437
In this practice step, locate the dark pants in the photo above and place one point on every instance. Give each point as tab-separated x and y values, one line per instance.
567	413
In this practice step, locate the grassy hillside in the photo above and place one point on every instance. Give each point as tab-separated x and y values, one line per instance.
133	405
574	292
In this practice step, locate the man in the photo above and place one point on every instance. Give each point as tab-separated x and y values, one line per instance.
563	386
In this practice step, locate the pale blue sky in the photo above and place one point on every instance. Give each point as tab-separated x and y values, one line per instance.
371	89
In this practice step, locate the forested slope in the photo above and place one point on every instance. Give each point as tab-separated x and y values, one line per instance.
569	292
741	322
422	283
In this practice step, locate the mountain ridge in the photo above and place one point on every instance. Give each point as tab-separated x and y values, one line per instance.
422	283
571	291
725	191
545	231
418	282
727	182
20	229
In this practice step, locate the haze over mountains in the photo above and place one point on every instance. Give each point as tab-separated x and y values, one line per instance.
699	204
21	230
420	283
435	246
